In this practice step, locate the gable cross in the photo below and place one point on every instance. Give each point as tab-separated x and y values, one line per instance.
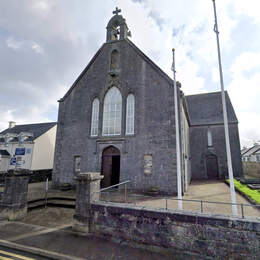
117	11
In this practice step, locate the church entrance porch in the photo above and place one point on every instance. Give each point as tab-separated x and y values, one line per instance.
110	167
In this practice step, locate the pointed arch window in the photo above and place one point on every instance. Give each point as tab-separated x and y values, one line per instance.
112	114
209	135
130	114
94	120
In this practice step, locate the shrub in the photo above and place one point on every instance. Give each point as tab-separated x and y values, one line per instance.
252	194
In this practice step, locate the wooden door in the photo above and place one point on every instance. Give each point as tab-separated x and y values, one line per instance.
212	167
109	168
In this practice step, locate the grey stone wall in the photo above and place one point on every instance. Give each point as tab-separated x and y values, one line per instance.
251	169
198	236
13	203
199	149
154	121
87	188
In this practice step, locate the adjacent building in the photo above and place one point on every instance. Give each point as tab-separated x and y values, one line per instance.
28	146
251	154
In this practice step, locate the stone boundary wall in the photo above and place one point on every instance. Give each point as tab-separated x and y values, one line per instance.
251	169
35	176
196	235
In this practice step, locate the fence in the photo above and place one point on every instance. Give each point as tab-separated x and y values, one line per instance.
113	194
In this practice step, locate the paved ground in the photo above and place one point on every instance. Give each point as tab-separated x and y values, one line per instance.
48	232
60	241
207	191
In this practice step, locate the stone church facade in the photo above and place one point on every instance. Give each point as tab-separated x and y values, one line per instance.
118	119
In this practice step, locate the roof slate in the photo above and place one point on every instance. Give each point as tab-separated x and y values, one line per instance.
252	150
4	152
206	109
36	129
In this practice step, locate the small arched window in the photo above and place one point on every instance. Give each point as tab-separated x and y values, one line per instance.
114	60
94	120
112	114
130	114
209	134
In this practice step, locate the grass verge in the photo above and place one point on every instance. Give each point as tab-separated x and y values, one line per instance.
252	194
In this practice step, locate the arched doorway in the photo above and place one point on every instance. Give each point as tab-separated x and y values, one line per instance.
110	168
212	167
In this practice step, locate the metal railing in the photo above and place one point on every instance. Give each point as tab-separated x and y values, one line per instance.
114	186
202	203
130	196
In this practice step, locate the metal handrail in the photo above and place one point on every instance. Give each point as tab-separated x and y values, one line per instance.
242	205
119	184
113	186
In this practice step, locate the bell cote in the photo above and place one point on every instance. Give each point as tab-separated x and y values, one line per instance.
117	28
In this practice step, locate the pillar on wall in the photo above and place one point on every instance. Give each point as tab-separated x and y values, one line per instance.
13	204
87	190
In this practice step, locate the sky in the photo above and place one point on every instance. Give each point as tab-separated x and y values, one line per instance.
45	44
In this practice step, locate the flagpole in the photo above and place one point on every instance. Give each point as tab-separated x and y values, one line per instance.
179	188
229	160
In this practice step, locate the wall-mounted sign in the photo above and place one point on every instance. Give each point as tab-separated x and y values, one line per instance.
13	161
20	151
28	150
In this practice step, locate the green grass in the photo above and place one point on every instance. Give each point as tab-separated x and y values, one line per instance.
253	194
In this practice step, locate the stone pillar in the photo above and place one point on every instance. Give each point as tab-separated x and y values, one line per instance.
13	204
87	185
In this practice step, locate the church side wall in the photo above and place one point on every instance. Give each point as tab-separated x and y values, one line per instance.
154	122
199	149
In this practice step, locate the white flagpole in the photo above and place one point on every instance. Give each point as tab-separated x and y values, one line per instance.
229	161
179	188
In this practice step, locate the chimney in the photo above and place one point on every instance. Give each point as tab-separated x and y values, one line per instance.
11	124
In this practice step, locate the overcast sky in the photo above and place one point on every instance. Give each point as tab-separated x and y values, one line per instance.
45	44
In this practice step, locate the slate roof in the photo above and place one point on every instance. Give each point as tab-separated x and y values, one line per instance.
206	109
36	129
252	150
4	152
243	151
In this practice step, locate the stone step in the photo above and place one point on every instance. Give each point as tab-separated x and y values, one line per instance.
54	202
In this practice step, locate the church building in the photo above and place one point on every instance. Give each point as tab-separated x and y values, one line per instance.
118	118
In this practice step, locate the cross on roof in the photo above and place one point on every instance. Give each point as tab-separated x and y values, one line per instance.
117	11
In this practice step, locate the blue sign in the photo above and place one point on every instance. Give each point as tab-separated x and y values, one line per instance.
13	161
20	151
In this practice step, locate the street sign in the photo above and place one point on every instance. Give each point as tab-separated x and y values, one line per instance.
13	161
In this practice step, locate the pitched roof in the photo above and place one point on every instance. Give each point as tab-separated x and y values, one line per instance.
243	151
206	109
138	51
36	129
252	150
4	152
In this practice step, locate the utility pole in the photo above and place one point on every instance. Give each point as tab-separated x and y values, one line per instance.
179	187
229	160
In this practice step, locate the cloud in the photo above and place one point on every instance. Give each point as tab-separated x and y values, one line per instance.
13	44
244	91
45	44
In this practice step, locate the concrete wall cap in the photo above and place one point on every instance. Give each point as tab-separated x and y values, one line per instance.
18	172
90	176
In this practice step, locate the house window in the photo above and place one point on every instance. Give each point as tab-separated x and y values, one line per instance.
95	114
130	114
112	115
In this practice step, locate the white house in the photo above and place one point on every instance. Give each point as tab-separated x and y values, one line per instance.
251	154
28	146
